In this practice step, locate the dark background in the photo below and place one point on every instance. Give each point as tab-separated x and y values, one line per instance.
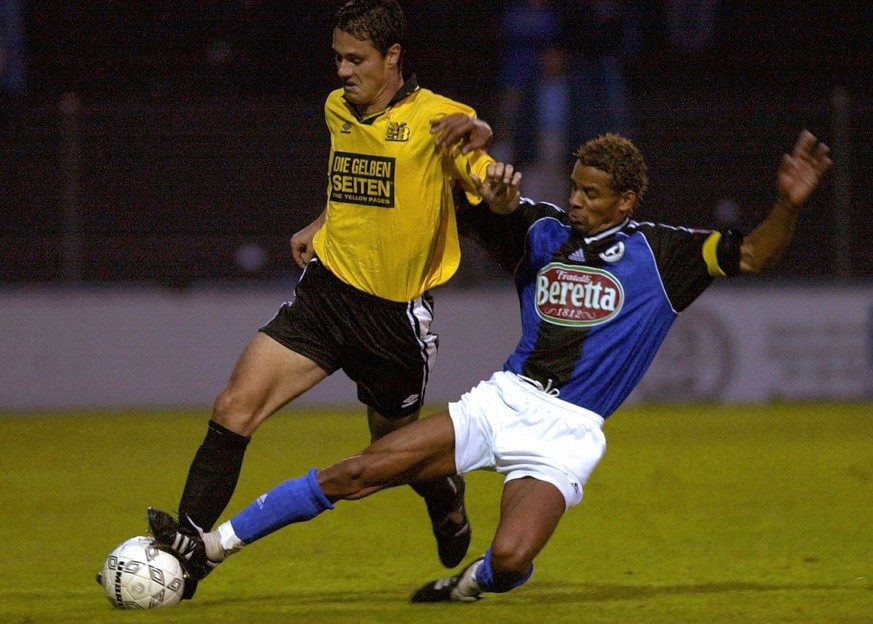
190	150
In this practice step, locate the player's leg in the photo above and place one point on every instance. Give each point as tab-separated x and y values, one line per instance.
393	355
423	450
289	355
547	448
267	376
529	514
444	498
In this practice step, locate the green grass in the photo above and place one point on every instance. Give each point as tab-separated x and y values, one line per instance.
697	514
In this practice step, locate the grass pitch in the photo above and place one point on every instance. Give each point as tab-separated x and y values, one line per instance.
696	514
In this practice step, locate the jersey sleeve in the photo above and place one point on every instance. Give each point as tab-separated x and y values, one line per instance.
721	252
463	166
689	259
503	237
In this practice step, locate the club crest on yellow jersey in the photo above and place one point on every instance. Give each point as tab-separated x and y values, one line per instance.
397	131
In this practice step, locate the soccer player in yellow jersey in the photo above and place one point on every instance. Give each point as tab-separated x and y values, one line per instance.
386	236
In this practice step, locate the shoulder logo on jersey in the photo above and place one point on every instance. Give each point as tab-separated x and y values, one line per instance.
362	179
346	128
614	253
397	131
574	296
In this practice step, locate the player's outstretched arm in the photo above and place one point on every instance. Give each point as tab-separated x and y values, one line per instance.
799	174
501	188
470	132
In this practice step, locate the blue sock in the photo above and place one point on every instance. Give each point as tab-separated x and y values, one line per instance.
296	500
485	577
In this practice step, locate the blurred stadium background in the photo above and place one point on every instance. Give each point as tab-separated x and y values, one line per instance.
173	146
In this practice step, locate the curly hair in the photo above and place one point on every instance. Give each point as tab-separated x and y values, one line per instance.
618	157
380	21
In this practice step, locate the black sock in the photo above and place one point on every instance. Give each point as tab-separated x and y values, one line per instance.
213	476
439	495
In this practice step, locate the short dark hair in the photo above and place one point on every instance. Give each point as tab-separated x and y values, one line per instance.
380	21
618	157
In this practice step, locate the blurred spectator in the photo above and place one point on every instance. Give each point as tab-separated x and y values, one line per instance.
531	33
545	177
592	36
11	48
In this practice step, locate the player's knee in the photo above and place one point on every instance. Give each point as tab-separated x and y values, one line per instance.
510	561
380	425
230	410
345	479
502	573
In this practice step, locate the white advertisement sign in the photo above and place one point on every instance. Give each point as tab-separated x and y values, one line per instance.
754	345
140	348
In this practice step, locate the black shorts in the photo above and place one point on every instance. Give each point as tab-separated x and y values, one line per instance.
385	347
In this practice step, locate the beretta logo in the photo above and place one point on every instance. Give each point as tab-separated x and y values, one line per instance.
576	296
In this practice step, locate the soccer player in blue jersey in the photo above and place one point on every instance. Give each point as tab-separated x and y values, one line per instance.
598	292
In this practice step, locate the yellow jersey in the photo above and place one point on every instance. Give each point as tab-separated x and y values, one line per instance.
390	226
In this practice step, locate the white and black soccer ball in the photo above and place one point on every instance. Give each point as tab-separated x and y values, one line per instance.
137	575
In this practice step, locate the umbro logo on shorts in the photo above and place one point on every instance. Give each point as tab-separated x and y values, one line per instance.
410	400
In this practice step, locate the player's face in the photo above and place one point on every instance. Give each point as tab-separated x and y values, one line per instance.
593	205
369	79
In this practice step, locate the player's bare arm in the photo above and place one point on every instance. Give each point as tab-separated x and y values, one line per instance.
799	174
501	188
301	243
472	133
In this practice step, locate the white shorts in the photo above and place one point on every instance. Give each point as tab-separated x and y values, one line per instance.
509	426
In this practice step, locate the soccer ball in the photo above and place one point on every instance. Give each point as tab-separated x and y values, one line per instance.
137	575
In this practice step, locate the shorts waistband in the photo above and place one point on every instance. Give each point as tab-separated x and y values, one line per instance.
545	393
320	271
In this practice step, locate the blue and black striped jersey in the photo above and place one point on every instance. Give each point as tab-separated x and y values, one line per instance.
595	310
